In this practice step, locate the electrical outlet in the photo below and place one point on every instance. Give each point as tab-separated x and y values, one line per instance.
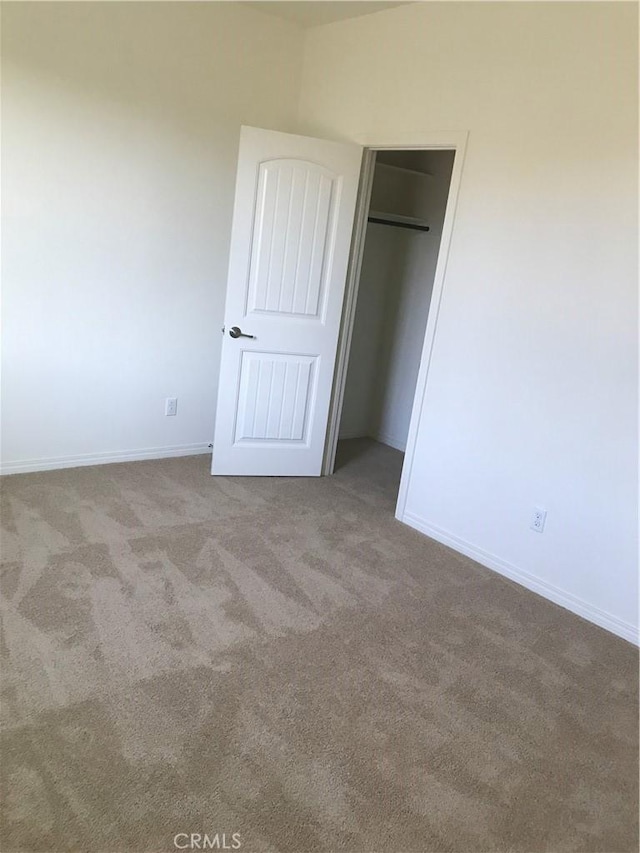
171	406
538	519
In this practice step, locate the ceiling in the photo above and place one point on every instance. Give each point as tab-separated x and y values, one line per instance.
312	13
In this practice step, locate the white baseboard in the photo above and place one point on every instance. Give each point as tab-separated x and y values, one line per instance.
349	434
391	440
52	464
382	437
570	602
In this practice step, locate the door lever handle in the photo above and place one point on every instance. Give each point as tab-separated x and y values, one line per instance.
235	332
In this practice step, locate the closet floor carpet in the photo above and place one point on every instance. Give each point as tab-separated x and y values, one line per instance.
281	662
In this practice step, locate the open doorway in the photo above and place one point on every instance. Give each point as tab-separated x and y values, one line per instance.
403	208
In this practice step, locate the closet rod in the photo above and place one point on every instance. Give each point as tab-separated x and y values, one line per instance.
412	225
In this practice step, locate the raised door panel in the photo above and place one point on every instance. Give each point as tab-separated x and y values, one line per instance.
292	238
275	395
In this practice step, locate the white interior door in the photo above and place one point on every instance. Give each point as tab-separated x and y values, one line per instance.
292	223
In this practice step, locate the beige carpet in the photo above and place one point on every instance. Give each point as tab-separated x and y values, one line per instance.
281	659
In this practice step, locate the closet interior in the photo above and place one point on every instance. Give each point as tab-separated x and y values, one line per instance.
405	219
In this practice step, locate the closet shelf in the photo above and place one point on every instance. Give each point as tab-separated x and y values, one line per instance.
403	169
397	220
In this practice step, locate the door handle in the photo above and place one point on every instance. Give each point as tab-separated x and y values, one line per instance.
235	332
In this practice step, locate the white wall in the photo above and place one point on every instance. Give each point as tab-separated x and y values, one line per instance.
403	335
532	395
378	262
120	131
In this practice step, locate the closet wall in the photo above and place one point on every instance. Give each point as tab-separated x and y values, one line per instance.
396	281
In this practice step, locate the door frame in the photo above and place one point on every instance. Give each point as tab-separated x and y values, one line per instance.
372	142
